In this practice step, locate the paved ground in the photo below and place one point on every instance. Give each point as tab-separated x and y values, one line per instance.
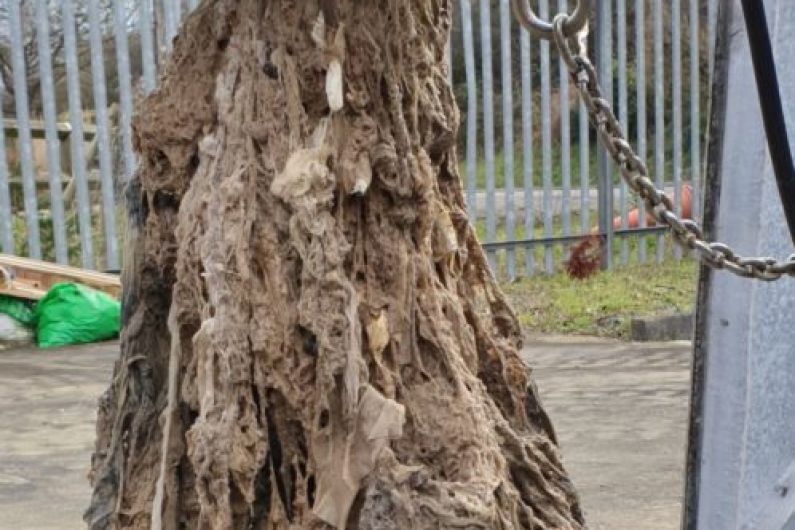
620	412
619	409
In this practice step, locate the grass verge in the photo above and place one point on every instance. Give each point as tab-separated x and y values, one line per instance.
603	304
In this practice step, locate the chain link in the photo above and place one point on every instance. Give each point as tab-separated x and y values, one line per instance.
634	171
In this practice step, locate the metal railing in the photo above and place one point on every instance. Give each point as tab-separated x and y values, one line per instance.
535	181
654	58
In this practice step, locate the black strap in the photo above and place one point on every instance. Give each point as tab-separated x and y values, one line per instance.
770	101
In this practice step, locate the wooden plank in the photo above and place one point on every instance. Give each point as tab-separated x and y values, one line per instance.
21	290
37	129
32	275
18	289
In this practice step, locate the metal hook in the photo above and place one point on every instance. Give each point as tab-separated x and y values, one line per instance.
543	29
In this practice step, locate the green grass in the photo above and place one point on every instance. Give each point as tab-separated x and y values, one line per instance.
604	303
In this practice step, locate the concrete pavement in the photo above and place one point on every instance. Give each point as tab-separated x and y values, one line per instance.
619	409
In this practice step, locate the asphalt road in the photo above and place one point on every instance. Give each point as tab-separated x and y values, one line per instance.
619	410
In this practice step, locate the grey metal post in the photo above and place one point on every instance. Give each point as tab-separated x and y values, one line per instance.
676	89
640	112
145	17
488	127
6	227
605	66
51	132
77	138
546	141
741	471
659	111
507	132
103	136
23	129
527	150
125	87
472	108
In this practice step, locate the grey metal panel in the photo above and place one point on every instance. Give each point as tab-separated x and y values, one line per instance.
507	131
51	134
23	129
676	90
103	137
659	110
640	111
742	426
145	18
472	107
488	126
77	136
125	86
6	227
527	148
546	140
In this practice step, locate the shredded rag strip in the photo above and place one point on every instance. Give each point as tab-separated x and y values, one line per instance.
312	337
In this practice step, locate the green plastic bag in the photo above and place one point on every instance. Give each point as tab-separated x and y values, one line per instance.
20	310
74	314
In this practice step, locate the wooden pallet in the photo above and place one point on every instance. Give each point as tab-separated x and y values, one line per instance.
30	279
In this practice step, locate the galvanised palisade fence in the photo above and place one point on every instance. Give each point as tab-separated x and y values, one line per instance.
535	181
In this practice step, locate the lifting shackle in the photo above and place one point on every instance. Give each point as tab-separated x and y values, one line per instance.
543	29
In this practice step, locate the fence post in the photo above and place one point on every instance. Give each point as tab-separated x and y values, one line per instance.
6	226
125	86
472	109
50	132
640	68
527	151
659	112
103	139
25	141
488	128
676	89
695	113
565	142
145	18
604	38
623	115
546	141
77	137
507	133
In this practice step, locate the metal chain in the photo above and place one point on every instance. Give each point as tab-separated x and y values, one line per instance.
685	232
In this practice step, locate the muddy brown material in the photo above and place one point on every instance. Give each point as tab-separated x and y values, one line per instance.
312	337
